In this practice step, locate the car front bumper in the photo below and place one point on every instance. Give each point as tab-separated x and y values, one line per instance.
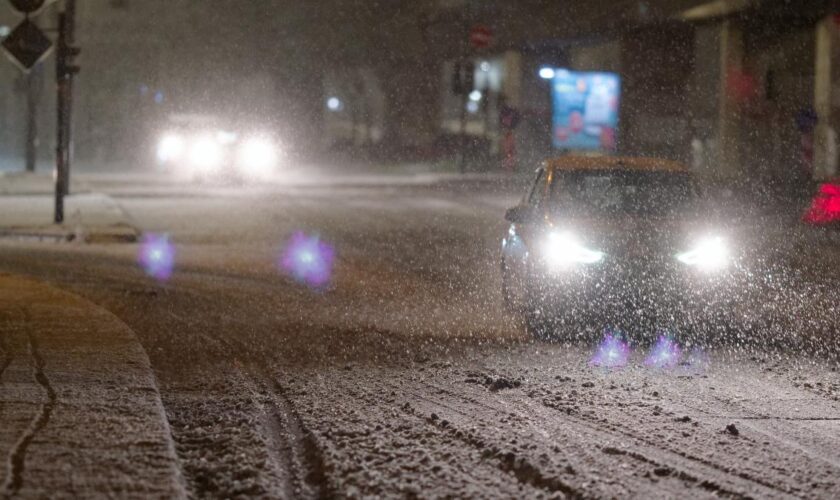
649	294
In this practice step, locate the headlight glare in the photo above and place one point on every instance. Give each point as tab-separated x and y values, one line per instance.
709	254
563	250
205	153
170	148
257	155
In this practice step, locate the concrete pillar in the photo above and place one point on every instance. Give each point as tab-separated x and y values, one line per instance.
729	122
825	134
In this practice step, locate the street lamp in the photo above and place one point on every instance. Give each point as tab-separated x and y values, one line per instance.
334	103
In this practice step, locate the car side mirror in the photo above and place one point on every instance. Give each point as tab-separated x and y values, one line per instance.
517	214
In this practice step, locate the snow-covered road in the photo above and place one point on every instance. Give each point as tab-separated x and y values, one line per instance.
405	377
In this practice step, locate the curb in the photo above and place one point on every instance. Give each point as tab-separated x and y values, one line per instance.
120	233
82	415
89	218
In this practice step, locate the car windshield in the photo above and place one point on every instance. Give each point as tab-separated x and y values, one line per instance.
653	193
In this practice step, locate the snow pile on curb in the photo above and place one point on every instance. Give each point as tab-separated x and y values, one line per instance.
82	415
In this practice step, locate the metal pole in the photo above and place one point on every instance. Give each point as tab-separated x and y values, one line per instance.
60	157
33	96
462	161
64	81
464	56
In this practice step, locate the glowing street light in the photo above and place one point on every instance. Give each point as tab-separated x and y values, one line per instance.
546	73
334	103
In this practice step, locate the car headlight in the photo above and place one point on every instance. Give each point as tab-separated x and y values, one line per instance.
257	155
225	137
709	254
205	153
170	148
563	250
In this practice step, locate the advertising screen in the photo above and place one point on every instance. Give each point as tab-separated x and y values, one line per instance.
585	110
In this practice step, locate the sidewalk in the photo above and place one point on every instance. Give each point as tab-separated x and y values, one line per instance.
80	414
27	209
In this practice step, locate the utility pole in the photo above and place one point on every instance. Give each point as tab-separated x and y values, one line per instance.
65	69
34	86
26	46
467	67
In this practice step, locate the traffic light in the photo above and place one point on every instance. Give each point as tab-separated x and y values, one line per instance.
66	55
469	77
463	77
65	52
457	80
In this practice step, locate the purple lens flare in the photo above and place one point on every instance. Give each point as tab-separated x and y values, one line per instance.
612	352
665	353
157	256
308	260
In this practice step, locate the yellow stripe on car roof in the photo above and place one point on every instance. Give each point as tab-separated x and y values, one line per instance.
613	163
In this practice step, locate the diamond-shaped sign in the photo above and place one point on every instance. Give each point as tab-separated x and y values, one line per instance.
27	44
27	6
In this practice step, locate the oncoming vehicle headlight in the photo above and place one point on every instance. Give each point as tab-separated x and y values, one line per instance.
709	254
205	153
257	155
563	250
170	148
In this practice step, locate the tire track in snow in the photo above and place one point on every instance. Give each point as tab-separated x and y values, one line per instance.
752	414
17	457
310	476
762	423
459	424
306	475
690	461
290	443
690	470
522	466
406	448
523	470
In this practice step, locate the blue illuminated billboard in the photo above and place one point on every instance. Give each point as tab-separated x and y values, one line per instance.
585	110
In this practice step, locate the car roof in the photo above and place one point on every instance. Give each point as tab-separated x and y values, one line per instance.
618	163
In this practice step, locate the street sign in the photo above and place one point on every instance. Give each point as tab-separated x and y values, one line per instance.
481	37
27	6
26	45
463	77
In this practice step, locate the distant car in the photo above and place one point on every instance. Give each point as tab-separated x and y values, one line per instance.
609	241
196	146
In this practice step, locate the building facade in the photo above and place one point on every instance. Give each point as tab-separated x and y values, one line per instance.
741	88
738	87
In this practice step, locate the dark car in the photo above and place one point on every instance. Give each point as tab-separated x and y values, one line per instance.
622	242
